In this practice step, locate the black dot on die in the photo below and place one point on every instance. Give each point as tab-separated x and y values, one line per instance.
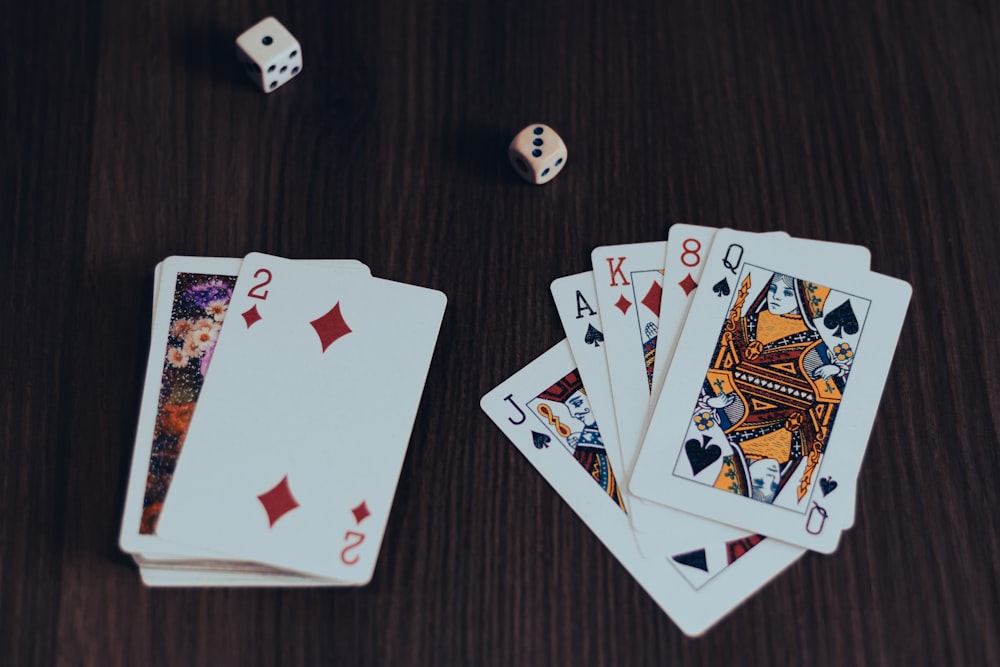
273	85
283	68
295	70
293	54
545	172
536	153
538	142
271	68
538	130
267	40
558	162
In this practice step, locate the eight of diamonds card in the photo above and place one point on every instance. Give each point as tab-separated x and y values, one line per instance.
544	410
687	247
293	454
767	407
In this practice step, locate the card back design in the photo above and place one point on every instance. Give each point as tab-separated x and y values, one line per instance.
772	388
199	307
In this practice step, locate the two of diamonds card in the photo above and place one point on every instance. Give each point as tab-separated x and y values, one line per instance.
699	447
264	455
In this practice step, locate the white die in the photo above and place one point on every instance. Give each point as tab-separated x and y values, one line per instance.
537	153
270	54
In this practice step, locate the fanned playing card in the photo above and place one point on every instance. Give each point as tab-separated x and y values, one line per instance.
576	301
691	246
687	248
762	423
292	456
544	410
676	535
628	280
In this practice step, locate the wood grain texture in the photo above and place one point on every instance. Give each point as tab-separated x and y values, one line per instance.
129	135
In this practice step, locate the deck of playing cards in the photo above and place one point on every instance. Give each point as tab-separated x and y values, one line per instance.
735	378
276	413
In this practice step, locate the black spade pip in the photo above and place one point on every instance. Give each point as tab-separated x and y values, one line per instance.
842	319
593	336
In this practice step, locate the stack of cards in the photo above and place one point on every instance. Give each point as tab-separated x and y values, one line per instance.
278	404
716	391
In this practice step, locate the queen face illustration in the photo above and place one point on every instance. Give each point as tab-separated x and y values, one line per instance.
781	296
773	387
765	476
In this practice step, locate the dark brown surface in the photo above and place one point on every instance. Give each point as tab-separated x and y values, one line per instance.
129	135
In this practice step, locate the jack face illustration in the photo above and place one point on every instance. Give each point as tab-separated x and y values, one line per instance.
564	411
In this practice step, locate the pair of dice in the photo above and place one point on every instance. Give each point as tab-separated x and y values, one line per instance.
271	56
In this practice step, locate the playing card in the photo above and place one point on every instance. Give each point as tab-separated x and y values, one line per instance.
576	301
542	410
160	576
157	276
629	300
687	248
219	572
676	534
628	281
294	452
767	406
190	299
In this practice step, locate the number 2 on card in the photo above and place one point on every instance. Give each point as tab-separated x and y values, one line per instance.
257	291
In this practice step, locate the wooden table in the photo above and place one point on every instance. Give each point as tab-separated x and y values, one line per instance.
129	135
